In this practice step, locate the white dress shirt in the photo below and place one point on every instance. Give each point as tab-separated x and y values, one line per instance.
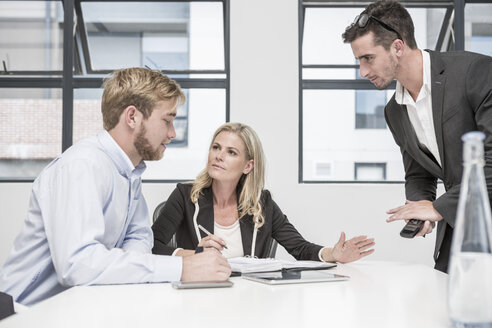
420	111
87	224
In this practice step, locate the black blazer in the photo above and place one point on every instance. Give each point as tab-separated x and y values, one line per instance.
177	217
461	102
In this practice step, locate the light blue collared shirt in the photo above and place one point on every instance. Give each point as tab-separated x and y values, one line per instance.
87	224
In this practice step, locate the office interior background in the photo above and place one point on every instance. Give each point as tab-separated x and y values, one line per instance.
279	66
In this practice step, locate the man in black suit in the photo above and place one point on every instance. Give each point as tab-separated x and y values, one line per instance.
438	98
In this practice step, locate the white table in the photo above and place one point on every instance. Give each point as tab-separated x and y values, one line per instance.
379	294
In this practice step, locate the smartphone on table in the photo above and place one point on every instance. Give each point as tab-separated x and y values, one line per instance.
201	284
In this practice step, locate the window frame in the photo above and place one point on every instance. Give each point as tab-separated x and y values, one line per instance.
78	73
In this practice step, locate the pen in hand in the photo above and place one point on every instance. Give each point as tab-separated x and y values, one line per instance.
208	233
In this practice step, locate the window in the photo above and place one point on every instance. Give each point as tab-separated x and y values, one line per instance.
186	40
342	116
369	108
370	171
31	36
30	131
478	28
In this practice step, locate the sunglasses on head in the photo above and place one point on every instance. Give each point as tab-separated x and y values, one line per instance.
362	21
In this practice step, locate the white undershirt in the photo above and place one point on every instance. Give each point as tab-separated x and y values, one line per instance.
232	237
420	111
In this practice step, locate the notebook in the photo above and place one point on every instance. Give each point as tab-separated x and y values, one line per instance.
251	265
293	277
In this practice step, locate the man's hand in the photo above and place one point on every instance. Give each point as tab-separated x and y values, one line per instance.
351	250
420	210
426	228
206	266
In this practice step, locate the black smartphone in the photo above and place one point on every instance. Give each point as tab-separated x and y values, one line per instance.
411	228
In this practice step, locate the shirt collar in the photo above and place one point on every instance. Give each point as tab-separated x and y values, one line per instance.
402	96
119	157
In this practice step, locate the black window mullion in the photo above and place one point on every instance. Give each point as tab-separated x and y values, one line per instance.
459	24
341	85
301	15
226	7
31	82
82	39
67	103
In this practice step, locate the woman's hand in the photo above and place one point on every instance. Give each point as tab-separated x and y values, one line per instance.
212	242
351	250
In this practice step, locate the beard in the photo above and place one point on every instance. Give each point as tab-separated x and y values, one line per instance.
389	70
145	149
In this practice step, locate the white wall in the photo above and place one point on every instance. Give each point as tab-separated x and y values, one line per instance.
264	94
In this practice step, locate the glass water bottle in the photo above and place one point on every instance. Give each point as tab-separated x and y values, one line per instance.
470	270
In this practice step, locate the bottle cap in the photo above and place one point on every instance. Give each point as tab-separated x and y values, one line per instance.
473	136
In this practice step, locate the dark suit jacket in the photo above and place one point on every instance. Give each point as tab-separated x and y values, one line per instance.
461	102
177	217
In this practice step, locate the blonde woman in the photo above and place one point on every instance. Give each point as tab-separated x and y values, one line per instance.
228	200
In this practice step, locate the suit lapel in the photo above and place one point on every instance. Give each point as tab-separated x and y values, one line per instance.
438	80
246	224
206	215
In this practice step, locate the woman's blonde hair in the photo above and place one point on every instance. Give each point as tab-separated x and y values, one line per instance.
250	185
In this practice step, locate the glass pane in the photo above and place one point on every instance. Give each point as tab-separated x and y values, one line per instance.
478	28
167	35
369	109
322	42
332	144
30	133
87	117
31	35
370	171
195	123
328	73
206	112
323	27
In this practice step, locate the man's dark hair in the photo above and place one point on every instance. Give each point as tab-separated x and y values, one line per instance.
393	14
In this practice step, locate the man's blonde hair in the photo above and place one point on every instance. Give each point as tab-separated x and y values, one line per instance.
140	87
250	185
